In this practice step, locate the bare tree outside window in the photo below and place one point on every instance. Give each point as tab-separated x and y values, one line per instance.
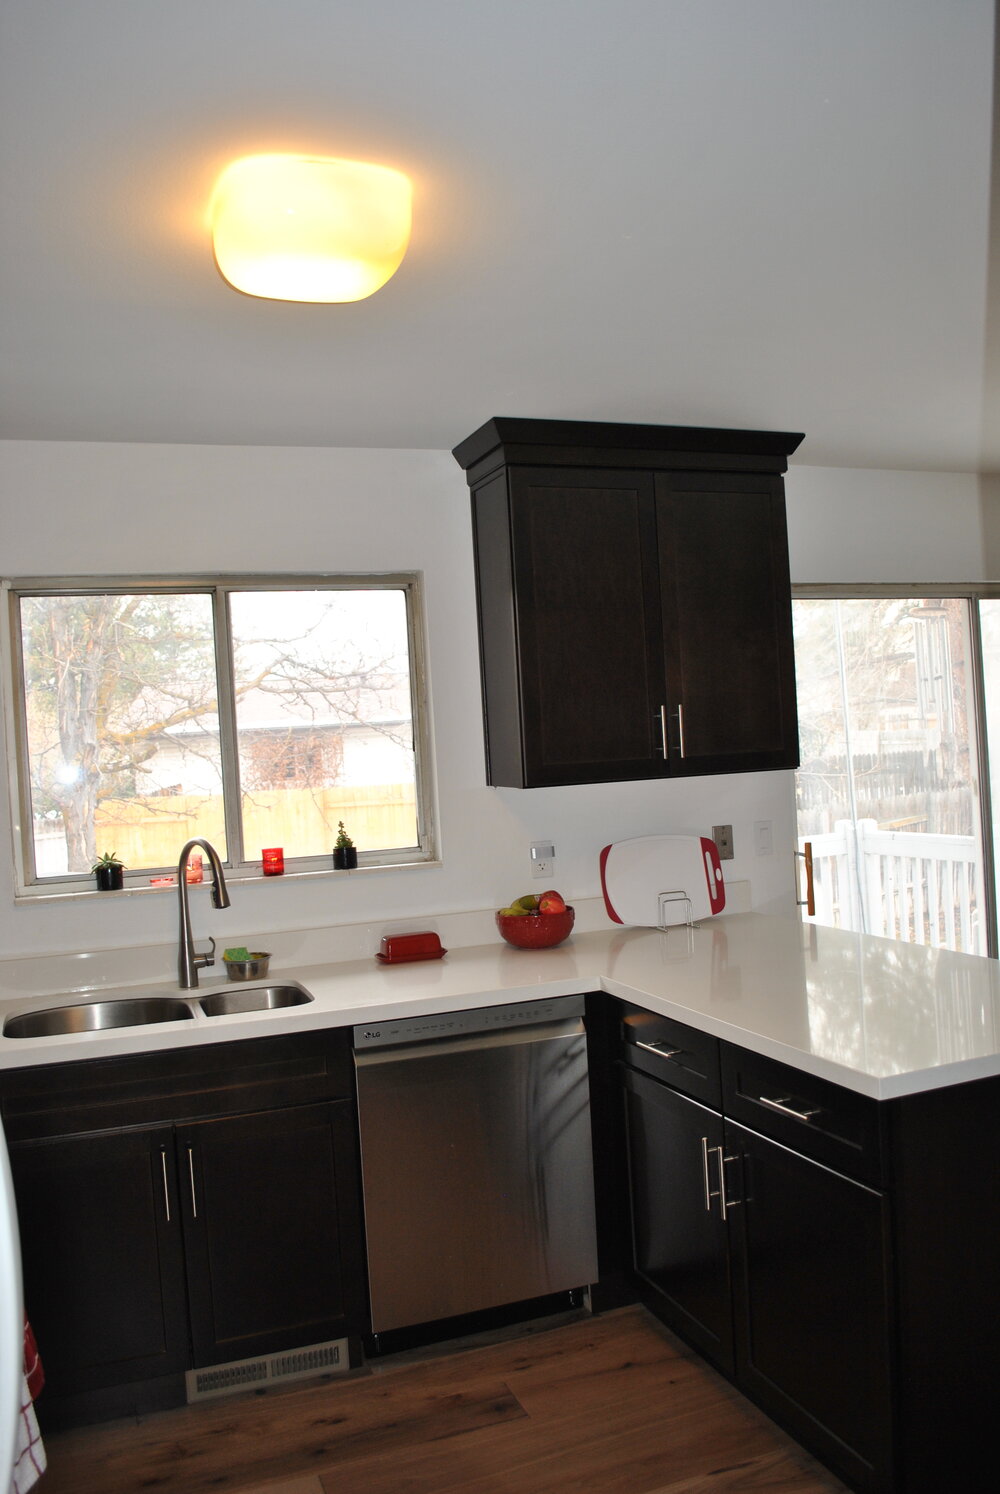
108	682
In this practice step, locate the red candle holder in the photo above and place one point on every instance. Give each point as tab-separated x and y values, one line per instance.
274	861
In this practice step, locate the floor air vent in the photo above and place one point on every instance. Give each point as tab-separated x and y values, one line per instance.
254	1374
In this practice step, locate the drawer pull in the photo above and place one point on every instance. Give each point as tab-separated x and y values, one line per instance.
660	1051
709	1195
784	1106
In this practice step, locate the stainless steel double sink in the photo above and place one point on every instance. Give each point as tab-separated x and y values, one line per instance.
143	1011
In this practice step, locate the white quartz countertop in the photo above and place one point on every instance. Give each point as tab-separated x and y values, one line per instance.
880	1017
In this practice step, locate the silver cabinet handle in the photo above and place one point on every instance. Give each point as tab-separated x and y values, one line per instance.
709	1195
725	1204
680	728
784	1106
194	1201
663	731
659	1051
166	1186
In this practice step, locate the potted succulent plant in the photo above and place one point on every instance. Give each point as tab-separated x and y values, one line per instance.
109	872
345	856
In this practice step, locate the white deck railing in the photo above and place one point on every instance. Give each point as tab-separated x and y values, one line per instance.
926	889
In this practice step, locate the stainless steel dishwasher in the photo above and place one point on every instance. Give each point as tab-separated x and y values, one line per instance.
476	1159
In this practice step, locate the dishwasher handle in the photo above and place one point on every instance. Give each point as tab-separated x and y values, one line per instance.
473	1042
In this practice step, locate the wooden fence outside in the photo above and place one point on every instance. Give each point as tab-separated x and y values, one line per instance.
303	821
926	790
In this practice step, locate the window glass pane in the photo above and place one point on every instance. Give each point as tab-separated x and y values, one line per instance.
324	719
121	728
887	787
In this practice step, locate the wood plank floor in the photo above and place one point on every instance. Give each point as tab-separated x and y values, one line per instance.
609	1405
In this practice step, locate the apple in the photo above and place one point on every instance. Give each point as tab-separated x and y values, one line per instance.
551	902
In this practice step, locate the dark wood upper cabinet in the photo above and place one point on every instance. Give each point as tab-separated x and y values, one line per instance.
634	600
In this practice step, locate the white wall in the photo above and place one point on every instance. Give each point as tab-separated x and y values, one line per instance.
854	524
88	508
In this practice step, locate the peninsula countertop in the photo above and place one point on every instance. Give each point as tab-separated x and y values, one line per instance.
880	1017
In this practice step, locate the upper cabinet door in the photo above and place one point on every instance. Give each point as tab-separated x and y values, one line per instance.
727	622
571	640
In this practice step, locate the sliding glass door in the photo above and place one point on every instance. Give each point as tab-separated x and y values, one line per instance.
888	789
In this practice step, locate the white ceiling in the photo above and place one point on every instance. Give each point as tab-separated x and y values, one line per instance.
766	213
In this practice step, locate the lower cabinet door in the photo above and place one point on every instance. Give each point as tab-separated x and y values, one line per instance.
271	1229
811	1303
102	1256
681	1252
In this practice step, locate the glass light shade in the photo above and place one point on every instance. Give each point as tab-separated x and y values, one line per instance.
308	228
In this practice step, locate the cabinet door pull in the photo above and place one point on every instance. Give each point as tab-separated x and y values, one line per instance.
663	732
725	1204
660	1052
784	1106
680	729
709	1195
166	1185
194	1201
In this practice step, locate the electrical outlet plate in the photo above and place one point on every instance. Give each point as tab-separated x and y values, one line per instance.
723	837
543	853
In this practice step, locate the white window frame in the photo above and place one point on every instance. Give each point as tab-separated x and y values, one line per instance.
238	866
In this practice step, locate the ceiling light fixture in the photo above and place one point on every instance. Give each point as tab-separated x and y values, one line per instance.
309	228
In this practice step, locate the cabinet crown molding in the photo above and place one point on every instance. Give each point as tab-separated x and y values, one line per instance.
507	440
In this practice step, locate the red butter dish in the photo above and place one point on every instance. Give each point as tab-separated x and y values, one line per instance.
398	948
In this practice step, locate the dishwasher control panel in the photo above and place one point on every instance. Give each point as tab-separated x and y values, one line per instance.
466	1024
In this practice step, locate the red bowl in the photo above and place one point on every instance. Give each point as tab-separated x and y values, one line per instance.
535	930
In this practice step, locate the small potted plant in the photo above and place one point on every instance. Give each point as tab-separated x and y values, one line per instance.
109	872
345	856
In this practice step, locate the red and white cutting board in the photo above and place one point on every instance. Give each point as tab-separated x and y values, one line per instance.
656	880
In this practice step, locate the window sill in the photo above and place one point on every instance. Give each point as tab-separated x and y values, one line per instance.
73	892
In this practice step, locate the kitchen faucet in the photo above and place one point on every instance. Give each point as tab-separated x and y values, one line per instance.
189	963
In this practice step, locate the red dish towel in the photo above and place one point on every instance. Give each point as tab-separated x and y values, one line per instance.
33	1372
29	1454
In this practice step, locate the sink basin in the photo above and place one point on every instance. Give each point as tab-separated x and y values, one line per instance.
93	1016
256	999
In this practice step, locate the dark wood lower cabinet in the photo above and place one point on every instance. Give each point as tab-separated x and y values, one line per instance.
103	1256
150	1249
811	1312
263	1229
835	1256
771	1266
681	1246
